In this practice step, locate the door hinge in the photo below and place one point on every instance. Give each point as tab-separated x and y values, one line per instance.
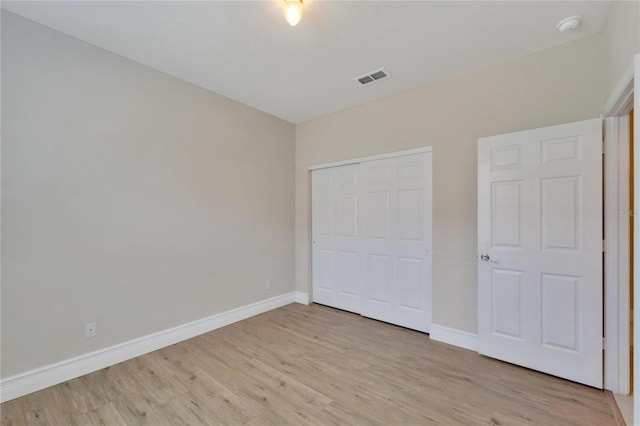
604	245
604	343
603	147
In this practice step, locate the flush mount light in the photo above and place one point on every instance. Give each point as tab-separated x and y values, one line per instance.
293	11
569	24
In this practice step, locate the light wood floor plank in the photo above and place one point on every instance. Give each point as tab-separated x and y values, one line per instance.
312	365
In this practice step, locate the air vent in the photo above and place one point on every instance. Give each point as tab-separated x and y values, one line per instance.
378	75
372	76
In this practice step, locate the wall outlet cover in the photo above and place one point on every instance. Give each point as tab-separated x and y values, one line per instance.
90	329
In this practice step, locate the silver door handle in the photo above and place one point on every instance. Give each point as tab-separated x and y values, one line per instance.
487	258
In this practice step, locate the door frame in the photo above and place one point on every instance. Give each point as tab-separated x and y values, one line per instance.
617	212
636	236
617	313
373	157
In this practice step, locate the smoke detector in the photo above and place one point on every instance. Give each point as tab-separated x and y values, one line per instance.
569	24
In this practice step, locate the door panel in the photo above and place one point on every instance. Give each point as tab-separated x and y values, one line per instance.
398	231
540	229
324	266
410	283
348	273
506	218
377	214
507	296
336	256
410	212
560	213
325	215
348	216
378	274
560	311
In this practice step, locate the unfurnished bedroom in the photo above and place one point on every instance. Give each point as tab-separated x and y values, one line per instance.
305	212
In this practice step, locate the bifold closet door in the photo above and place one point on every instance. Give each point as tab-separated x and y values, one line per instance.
337	258
396	218
371	233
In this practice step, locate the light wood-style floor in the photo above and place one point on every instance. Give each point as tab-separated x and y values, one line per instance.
314	365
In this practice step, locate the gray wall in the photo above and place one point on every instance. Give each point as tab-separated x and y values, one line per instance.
129	198
553	86
621	41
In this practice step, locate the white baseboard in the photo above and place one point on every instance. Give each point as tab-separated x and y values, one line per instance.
454	337
302	297
43	377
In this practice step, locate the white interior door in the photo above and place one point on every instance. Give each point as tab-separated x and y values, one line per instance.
337	257
540	249
396	217
371	233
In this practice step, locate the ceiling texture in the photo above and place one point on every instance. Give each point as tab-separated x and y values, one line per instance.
245	50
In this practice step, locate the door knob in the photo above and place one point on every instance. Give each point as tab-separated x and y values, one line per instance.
486	258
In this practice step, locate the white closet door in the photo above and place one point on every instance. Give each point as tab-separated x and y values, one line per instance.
396	221
371	231
337	259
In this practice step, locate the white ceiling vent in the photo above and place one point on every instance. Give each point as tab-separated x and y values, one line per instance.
372	76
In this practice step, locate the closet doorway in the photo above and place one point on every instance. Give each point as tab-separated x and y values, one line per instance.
371	236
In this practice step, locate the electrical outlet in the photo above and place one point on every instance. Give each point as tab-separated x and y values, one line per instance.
90	329
267	285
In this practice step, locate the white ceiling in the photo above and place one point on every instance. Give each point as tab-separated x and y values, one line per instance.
246	51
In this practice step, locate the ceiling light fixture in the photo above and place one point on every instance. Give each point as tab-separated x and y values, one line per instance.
293	11
569	24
